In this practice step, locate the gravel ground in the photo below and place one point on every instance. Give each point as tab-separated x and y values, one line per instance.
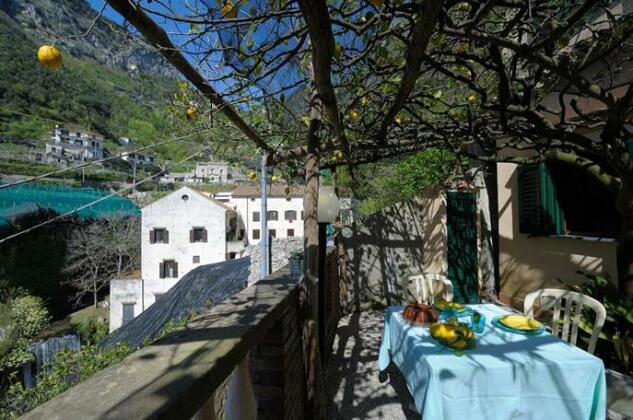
356	389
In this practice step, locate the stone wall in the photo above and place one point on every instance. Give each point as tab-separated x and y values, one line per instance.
280	251
383	251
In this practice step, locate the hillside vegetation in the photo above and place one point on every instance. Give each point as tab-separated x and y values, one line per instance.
33	99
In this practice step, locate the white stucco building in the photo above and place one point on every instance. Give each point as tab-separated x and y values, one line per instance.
179	232
71	143
137	158
285	210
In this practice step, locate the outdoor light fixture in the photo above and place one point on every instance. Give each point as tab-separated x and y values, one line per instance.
328	206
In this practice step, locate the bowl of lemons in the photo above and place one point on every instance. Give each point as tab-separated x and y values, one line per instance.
453	334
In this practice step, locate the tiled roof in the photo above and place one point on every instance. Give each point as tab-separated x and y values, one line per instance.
276	190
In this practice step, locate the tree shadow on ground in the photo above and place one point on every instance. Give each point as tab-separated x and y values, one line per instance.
355	387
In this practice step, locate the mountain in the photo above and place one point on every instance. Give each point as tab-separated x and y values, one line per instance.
68	20
95	88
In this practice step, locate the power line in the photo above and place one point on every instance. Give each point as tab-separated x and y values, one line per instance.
95	162
92	203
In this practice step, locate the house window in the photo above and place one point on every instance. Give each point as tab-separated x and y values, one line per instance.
302	218
255	233
198	234
240	236
290	233
159	235
128	313
196	259
168	269
290	215
272	233
231	255
273	215
255	216
557	199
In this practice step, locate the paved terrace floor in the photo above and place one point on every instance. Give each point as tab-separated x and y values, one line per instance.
356	389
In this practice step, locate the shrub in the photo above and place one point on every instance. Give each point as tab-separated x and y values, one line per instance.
68	369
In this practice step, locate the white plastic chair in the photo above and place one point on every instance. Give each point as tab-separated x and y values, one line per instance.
572	311
428	285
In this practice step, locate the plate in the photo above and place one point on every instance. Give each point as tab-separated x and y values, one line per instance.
520	322
450	306
498	324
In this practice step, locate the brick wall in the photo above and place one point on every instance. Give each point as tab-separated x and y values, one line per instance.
276	363
277	373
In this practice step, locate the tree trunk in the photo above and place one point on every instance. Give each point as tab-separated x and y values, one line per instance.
624	204
312	356
94	291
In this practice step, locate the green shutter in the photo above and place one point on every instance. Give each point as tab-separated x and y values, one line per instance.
539	210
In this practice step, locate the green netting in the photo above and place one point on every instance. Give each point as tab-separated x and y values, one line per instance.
23	199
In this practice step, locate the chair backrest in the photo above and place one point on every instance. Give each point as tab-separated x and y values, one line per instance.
572	311
428	285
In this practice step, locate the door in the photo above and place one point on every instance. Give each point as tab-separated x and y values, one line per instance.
128	313
462	245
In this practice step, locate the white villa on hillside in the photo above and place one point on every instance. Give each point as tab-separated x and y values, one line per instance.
285	210
72	143
179	232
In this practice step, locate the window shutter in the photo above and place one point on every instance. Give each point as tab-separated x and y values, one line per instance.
166	236
539	211
175	269
191	235
204	235
152	236
161	270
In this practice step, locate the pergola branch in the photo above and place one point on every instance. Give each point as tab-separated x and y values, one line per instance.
156	36
422	31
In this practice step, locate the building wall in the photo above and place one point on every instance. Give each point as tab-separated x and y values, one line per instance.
246	206
124	291
179	216
214	172
530	263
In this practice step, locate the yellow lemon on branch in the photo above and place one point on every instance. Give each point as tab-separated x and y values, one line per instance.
49	56
191	112
229	11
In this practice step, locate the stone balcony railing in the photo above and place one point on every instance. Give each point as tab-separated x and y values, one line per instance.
188	373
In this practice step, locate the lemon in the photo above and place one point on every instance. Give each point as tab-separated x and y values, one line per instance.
354	115
252	175
229	11
364	101
520	322
49	56
191	112
338	155
274	178
463	6
472	97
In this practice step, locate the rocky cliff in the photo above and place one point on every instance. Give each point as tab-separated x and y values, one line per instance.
44	21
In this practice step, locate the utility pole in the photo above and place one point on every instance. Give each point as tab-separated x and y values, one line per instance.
264	268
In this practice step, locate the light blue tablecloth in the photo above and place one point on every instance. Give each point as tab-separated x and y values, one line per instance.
507	376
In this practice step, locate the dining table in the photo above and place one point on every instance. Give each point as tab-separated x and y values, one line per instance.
506	375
